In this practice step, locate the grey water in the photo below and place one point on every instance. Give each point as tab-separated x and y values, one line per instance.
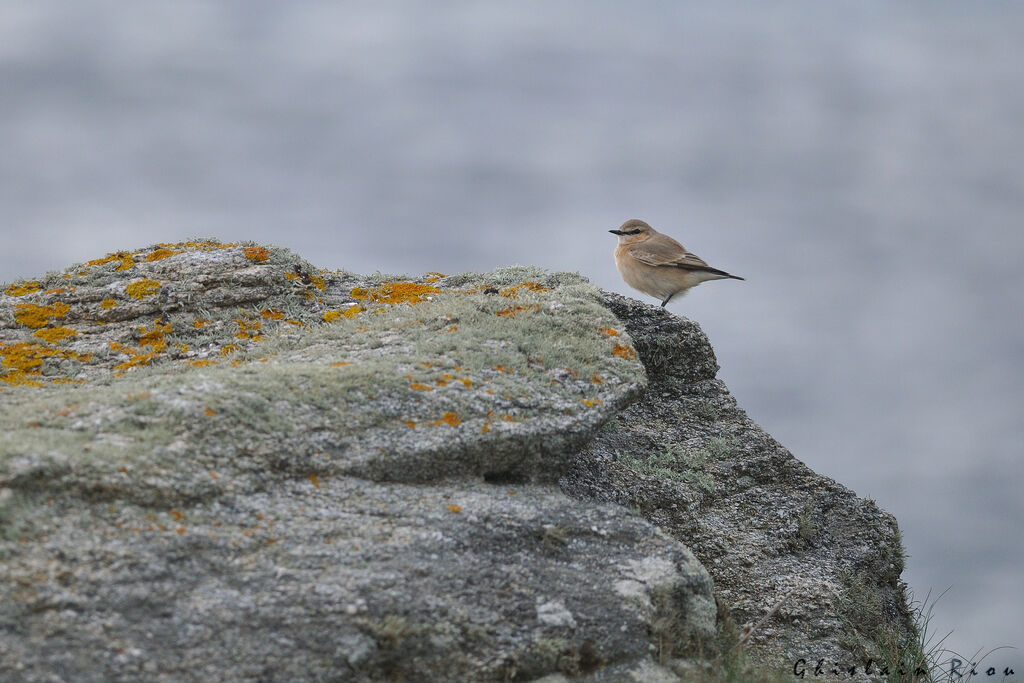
860	163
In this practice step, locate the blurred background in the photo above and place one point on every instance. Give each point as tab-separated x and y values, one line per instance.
861	163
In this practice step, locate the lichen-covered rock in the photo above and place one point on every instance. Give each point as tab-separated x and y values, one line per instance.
220	463
773	534
247	360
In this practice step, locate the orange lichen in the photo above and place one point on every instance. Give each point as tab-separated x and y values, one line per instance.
127	260
417	386
410	424
108	303
202	363
35	317
318	282
504	368
468	383
395	293
513	292
486	428
451	419
315	480
21	363
623	351
248	329
23	288
610	332
140	289
55	335
210	411
176	515
272	314
228	348
332	316
160	254
591	402
516	310
154	339
454	508
340	364
257	254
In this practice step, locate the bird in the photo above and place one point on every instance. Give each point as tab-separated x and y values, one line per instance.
657	265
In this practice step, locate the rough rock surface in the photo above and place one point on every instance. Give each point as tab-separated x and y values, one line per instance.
777	538
220	463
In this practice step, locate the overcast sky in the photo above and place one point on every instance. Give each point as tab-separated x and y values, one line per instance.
861	163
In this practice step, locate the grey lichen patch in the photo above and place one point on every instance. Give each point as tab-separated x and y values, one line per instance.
674	463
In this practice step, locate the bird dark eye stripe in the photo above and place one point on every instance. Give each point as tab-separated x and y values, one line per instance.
633	232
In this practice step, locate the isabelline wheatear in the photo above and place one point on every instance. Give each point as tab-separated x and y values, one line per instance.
658	265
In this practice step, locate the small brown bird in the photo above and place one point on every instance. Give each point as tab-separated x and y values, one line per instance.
658	265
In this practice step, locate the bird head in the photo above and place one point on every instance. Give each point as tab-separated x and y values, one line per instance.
633	230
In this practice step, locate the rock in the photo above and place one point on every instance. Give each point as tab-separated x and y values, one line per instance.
220	463
777	538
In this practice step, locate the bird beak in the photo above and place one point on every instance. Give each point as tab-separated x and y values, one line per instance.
616	232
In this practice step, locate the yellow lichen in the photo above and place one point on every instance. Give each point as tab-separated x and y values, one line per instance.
199	323
591	402
417	386
23	288
229	348
332	316
140	289
318	282
202	363
108	303
55	335
272	314
35	317
160	254
455	509
395	293
127	260
21	363
433	276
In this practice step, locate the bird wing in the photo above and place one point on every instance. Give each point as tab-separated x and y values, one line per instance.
665	251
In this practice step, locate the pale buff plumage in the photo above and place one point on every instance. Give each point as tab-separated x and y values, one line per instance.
657	265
